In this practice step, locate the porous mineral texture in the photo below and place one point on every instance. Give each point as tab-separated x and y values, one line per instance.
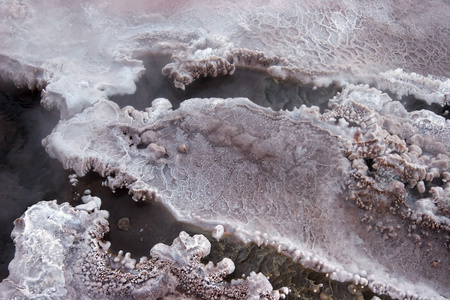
60	254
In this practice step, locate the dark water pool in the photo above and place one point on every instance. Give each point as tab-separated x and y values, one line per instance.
257	86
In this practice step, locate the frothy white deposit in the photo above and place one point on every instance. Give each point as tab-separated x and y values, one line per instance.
360	191
70	261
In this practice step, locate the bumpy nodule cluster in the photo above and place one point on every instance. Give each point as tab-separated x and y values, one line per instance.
61	255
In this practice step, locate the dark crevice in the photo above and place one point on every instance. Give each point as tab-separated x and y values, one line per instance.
369	163
255	85
412	103
350	123
435	182
353	124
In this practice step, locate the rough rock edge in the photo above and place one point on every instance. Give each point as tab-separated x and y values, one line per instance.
60	254
186	68
204	63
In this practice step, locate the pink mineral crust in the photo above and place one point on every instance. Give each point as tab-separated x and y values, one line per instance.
85	51
360	191
299	180
60	255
